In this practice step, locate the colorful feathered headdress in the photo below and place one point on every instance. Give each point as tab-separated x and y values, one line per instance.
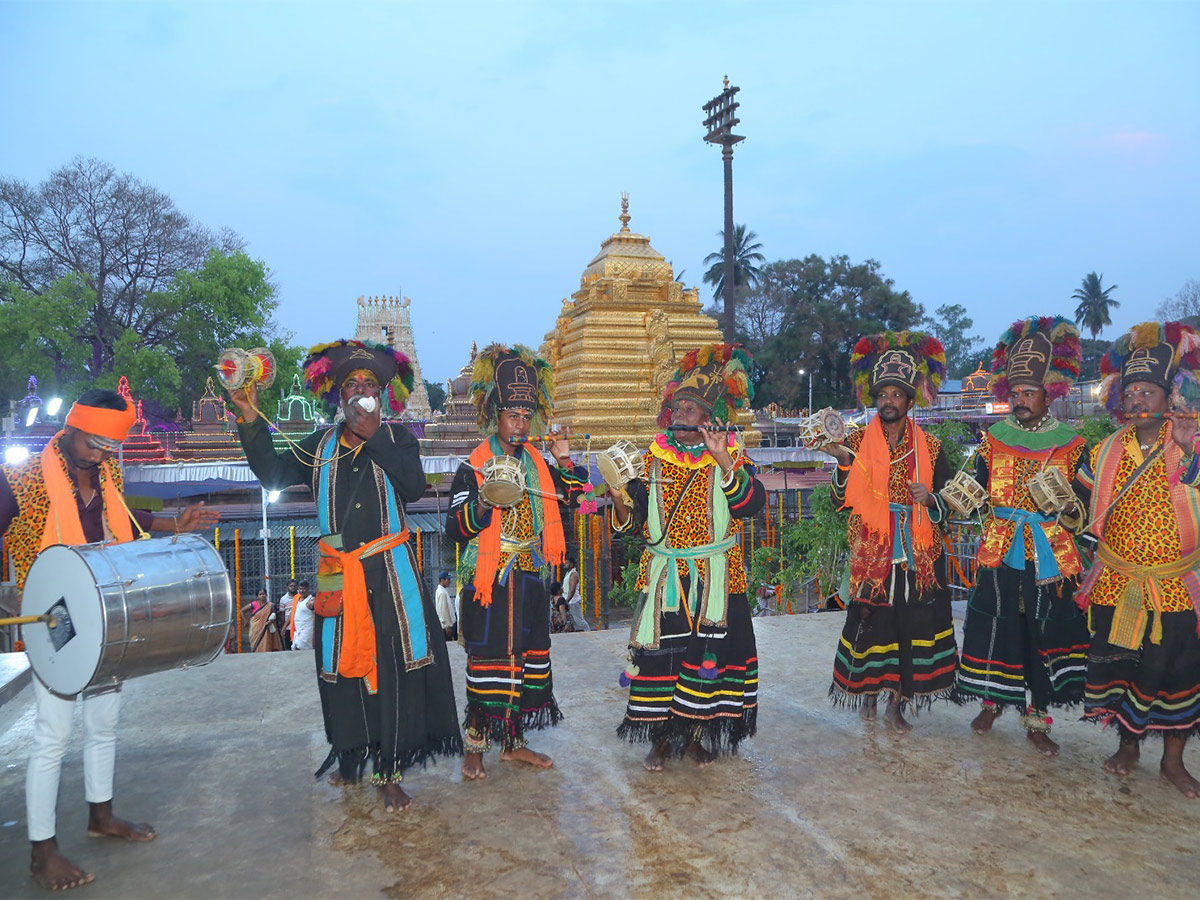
511	378
327	365
1041	350
1151	352
910	360
716	376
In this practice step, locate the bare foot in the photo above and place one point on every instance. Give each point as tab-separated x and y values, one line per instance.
525	755
335	779
1123	761
703	758
394	798
1174	772
53	871
987	717
472	767
1042	741
867	711
895	720
102	823
655	760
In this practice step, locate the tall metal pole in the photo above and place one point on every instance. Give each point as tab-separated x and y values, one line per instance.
810	375
266	534
729	289
720	122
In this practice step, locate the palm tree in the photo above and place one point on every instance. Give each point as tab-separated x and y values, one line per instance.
745	255
1092	313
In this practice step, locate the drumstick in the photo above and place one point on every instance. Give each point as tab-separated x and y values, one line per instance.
48	618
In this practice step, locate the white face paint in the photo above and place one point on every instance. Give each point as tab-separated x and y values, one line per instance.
368	404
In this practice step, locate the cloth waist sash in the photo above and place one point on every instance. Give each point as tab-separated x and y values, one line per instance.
663	567
357	659
1045	563
410	611
1145	584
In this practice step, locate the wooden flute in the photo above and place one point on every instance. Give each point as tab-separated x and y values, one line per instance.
710	428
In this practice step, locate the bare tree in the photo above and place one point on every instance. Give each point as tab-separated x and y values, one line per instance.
125	238
1185	304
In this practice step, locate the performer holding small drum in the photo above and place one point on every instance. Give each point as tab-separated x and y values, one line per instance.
506	510
1023	632
382	670
70	493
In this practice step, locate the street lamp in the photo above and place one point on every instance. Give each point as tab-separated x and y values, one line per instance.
802	373
267	497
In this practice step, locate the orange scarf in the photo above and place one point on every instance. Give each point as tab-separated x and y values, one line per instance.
867	484
357	658
62	519
554	544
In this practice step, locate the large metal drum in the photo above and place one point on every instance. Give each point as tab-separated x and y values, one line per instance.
125	610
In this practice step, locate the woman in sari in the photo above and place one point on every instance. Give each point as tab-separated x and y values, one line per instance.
264	628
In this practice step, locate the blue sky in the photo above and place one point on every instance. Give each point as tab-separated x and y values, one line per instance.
472	155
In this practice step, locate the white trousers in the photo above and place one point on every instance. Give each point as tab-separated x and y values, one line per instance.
51	734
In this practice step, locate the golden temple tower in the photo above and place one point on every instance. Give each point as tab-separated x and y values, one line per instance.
619	338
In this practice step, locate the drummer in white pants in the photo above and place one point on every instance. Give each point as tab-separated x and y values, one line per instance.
70	494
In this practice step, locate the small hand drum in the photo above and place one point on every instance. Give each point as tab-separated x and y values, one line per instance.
620	464
503	481
1051	491
236	368
825	426
964	495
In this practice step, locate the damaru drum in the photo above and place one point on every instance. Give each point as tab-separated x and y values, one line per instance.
1050	490
236	368
825	426
964	495
503	481
125	610
620	464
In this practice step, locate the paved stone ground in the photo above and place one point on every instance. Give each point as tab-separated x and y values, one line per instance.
220	759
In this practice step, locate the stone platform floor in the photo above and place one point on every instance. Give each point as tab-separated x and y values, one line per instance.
220	759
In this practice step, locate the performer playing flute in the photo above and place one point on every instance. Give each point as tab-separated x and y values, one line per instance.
1143	592
693	677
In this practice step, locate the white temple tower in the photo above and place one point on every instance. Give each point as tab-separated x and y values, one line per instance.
385	320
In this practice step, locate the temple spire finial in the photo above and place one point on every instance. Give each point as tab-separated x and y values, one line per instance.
624	217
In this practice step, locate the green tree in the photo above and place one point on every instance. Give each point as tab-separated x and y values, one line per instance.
106	277
951	325
746	257
815	312
37	338
1093	351
1095	305
437	395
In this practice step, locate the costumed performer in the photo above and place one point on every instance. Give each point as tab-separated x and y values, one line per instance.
693	672
504	614
1141	594
898	638
382	669
1023	632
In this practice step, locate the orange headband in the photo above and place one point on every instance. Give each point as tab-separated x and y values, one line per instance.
113	424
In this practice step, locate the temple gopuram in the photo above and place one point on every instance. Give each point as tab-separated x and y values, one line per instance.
455	432
385	320
619	338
